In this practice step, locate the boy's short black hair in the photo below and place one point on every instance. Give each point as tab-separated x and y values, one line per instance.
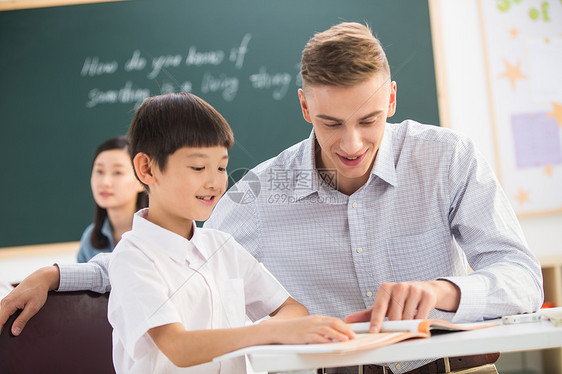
165	123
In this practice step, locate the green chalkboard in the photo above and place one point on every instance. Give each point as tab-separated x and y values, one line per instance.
71	76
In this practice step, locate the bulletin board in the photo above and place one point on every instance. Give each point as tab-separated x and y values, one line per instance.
522	43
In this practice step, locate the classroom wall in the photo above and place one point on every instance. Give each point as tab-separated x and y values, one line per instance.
469	112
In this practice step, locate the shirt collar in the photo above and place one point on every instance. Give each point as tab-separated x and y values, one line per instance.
384	166
306	179
175	246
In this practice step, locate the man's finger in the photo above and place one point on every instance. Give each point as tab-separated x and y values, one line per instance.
380	307
411	307
425	306
5	312
398	298
23	318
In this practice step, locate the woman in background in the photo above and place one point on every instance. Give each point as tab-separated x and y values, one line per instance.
117	194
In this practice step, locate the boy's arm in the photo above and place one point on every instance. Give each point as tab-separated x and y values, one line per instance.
290	309
187	348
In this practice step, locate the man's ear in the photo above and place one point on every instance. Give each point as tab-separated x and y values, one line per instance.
304	106
144	168
392	101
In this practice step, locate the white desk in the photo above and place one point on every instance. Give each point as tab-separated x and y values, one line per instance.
502	338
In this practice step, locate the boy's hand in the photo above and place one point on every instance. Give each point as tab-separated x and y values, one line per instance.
408	300
309	329
30	295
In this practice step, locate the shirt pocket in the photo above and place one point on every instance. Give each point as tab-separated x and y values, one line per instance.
233	301
419	257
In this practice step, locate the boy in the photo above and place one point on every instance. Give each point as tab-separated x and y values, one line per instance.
180	293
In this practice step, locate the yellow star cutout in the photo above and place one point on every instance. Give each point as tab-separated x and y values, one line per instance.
512	72
514	32
548	170
522	196
556	113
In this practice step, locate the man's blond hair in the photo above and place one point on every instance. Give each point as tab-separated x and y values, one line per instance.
344	55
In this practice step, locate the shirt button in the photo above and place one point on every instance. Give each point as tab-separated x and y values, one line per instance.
397	366
354	205
369	294
359	250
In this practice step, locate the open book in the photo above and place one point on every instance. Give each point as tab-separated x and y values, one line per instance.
391	332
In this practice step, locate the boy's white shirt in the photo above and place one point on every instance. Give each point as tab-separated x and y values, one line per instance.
159	277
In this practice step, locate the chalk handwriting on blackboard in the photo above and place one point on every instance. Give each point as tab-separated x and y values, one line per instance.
162	69
163	62
93	66
237	54
227	85
203	58
127	94
279	81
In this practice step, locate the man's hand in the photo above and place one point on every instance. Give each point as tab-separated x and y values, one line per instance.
30	295
408	300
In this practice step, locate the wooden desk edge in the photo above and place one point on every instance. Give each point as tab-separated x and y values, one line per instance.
39	250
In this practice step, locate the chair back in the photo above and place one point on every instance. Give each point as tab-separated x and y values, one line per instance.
70	334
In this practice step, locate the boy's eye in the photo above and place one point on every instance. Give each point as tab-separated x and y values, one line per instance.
222	169
333	124
197	168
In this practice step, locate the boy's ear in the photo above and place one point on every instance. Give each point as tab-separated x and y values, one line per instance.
144	168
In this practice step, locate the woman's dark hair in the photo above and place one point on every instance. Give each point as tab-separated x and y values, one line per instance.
97	239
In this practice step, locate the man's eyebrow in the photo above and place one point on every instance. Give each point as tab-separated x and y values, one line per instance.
330	118
373	114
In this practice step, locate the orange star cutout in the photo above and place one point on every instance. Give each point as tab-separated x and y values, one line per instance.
556	113
548	170
512	72
514	32
522	196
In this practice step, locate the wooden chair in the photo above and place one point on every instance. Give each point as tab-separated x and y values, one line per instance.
70	334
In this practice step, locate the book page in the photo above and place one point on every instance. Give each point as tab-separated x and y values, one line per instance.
361	342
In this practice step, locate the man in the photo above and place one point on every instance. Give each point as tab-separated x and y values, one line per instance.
364	219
